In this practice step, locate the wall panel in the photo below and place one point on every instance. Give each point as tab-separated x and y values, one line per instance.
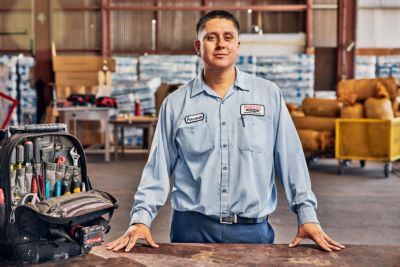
16	24
177	29
378	24
76	29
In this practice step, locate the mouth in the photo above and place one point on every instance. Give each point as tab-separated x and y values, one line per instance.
220	55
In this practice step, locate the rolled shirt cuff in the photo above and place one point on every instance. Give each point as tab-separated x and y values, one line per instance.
307	215
141	216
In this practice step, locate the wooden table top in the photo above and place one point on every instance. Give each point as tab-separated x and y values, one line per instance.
134	119
238	255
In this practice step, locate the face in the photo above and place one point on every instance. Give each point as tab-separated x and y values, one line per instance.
218	44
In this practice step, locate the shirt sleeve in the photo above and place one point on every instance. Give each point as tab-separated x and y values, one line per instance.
154	186
291	167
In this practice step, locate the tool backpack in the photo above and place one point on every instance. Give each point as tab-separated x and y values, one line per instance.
48	208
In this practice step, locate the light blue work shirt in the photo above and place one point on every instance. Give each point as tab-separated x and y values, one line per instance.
221	153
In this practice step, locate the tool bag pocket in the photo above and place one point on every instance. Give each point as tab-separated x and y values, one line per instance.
74	208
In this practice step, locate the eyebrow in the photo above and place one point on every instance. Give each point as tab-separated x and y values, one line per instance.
216	33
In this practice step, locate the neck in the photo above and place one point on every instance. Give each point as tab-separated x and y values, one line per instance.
219	81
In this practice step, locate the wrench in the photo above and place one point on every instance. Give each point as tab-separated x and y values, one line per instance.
75	156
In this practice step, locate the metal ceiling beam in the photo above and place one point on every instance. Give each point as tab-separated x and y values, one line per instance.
267	8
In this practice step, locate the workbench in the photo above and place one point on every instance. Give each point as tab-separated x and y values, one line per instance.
238	255
75	114
147	123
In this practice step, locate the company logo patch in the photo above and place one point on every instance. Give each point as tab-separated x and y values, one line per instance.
252	109
194	118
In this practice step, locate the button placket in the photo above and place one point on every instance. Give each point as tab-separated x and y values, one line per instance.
224	159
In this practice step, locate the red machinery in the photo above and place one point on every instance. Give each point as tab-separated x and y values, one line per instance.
14	103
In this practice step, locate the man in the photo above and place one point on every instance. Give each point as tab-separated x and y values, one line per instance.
223	137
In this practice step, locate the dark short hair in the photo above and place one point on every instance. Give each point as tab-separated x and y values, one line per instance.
216	14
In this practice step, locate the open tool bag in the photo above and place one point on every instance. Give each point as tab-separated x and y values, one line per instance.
48	208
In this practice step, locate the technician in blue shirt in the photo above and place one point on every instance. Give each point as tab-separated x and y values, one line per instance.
223	137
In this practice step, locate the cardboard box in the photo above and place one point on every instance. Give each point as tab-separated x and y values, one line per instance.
162	92
83	78
77	78
91	138
89	132
83	64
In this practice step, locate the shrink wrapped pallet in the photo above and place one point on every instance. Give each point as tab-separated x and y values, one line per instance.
366	88
376	108
354	111
314	123
321	107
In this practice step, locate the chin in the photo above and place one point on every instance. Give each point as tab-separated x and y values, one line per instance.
220	65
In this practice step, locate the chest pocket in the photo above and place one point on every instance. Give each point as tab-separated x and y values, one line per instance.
255	133
195	139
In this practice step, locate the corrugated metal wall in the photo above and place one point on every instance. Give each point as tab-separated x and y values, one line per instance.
177	29
75	29
131	29
378	24
325	23
243	17
16	21
281	22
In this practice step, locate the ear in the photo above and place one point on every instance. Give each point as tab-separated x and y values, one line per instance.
238	44
196	45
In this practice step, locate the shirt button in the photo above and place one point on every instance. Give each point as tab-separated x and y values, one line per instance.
224	190
224	145
222	102
225	168
223	123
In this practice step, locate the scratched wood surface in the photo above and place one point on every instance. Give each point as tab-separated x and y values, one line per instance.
238	255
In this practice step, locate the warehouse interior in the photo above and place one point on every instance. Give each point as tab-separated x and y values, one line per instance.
102	68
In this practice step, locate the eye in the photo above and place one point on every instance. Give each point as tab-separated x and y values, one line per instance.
210	37
228	37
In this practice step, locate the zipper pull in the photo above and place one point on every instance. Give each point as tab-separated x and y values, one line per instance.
12	215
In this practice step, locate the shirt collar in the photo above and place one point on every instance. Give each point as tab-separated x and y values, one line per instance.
239	83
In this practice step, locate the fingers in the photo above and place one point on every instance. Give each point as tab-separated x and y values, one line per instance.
332	242
131	243
114	243
121	244
151	242
323	244
295	242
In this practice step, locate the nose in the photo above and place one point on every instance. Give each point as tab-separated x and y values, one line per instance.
221	44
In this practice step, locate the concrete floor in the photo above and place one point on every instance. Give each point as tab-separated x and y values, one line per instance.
359	207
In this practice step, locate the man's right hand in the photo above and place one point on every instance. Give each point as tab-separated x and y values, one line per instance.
128	240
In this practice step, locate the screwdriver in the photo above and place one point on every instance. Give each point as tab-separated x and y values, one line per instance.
28	151
20	156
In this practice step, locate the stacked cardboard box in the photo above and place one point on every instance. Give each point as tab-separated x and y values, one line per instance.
83	75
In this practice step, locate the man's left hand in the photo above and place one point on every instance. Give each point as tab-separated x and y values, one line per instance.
314	232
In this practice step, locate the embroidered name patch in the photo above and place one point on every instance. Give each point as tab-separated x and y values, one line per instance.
252	109
194	118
